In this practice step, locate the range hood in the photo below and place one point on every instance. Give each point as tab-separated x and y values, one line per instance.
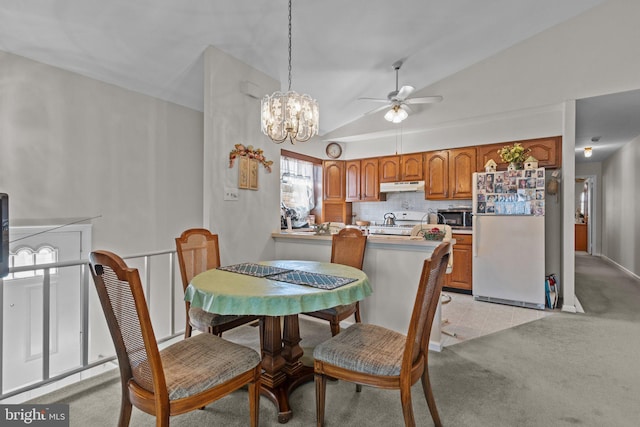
396	187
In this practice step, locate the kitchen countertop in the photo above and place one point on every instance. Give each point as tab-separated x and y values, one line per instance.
461	231
372	238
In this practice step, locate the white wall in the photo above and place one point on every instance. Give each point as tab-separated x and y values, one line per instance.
74	147
621	204
245	225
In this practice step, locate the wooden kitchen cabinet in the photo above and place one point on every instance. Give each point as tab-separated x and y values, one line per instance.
389	167
336	212
436	181
411	167
406	167
335	208
449	173
548	152
581	237
333	173
461	277
362	181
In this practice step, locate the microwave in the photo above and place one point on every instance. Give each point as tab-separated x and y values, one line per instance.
455	217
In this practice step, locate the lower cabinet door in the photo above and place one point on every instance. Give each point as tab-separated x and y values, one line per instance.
461	276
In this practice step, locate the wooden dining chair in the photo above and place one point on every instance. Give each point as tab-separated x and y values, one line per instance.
375	356
180	378
198	251
347	248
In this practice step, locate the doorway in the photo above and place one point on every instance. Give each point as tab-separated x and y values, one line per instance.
585	214
24	296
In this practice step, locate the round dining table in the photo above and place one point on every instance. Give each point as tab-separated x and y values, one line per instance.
275	289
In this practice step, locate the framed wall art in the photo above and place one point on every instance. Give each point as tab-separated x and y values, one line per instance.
253	174
243	172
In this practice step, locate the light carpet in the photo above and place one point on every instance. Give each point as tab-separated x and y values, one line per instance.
561	370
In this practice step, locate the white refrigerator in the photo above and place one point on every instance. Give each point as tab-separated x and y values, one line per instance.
508	237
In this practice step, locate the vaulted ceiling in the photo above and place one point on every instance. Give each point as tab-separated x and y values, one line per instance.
342	50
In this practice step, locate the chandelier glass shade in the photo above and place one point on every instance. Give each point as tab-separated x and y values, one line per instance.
396	114
289	115
587	151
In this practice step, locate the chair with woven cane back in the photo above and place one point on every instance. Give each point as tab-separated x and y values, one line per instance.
198	251
180	378
347	248
372	355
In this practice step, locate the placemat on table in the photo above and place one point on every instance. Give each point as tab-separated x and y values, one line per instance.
316	280
252	269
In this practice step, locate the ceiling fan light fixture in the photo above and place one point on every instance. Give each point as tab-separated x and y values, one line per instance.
396	114
289	115
588	151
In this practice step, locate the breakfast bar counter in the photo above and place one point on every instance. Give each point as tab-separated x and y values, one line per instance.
393	265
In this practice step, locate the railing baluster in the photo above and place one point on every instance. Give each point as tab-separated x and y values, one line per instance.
172	300
147	279
85	278
46	324
84	331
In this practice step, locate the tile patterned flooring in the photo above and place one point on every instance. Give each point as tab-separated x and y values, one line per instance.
469	319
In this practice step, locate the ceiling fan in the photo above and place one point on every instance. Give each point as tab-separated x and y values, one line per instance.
399	100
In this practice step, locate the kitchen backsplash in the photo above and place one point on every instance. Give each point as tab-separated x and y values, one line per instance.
374	211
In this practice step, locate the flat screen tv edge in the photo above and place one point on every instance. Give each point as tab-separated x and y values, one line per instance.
4	223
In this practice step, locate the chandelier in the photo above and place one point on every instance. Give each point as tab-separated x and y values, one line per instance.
289	115
396	114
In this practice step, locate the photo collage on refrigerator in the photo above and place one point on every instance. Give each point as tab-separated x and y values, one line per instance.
511	192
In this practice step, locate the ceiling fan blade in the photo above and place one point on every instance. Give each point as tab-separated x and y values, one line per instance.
424	100
373	99
404	92
375	110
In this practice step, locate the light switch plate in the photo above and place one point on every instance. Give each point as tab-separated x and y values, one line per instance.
230	193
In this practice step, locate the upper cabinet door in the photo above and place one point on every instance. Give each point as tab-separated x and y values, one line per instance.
462	164
411	166
389	169
353	180
334	180
437	175
548	152
369	182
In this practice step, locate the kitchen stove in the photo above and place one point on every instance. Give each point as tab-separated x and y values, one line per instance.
397	230
405	221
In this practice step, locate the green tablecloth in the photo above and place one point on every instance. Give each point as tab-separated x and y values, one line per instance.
224	292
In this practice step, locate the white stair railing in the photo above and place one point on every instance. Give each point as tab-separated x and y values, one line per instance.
148	269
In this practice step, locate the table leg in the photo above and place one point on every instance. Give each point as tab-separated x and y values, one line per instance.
272	360
283	370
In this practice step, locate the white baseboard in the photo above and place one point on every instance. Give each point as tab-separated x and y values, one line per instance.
620	267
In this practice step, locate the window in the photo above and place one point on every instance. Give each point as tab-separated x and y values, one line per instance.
299	183
27	256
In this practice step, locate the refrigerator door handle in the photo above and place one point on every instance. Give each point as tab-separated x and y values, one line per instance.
476	234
